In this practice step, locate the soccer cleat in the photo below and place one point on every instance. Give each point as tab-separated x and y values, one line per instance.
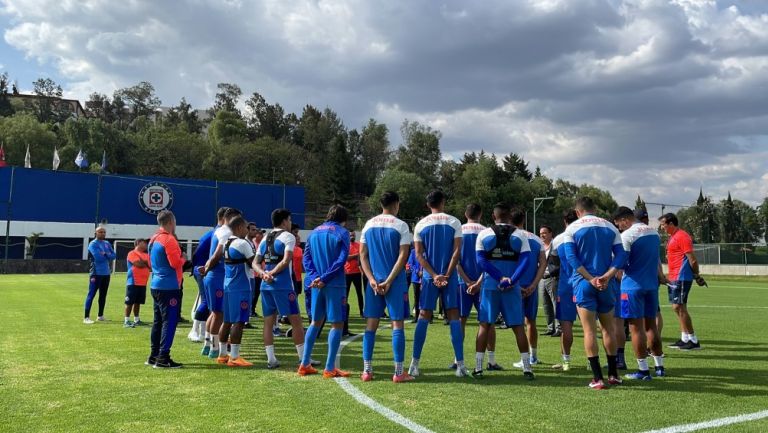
305	370
495	367
101	319
477	374
401	378
690	346
167	363
213	354
193	336
547	332
462	371
88	321
638	375
414	371
276	332
206	350
677	344
613	380
528	375
314	363
534	360
660	372
151	360
566	366
335	373
557	333
239	362
273	365
452	366
138	323
222	359
128	325
367	376
597	384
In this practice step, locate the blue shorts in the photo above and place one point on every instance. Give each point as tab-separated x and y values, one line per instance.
616	287
466	301
237	306
565	310
589	298
396	301
679	295
328	303
279	301
214	293
509	304
531	305
639	303
429	293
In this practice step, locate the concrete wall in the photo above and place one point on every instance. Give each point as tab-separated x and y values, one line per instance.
731	269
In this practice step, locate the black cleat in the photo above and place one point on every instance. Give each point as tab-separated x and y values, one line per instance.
477	374
690	346
167	363
677	344
152	360
495	367
528	375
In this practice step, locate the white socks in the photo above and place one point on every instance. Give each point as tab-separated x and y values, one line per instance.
270	354
658	360
368	366
491	358
526	358
300	350
642	364
222	349
479	357
235	353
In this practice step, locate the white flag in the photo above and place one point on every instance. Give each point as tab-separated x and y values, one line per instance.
56	160
27	159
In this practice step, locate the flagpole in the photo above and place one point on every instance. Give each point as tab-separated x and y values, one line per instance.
8	221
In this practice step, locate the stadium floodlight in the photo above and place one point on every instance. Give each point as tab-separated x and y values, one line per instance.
537	202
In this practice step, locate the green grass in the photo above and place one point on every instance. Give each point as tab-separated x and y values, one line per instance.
58	375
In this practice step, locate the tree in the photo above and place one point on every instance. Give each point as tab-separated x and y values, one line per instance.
184	116
728	221
21	130
226	98
412	191
640	204
516	166
738	222
227	128
701	220
140	98
763	215
265	120
339	172
99	106
420	152
6	109
370	154
47	93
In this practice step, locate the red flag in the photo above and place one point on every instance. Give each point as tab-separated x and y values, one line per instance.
2	157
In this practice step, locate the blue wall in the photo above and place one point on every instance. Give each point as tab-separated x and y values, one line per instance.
45	195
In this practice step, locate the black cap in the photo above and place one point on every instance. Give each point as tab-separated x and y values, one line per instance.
641	213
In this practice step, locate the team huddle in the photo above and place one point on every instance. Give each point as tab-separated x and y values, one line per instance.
607	272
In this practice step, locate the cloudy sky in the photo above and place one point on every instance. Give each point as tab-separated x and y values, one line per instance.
652	97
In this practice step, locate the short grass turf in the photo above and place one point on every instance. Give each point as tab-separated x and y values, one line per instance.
59	375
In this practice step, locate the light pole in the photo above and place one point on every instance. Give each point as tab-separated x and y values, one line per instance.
537	202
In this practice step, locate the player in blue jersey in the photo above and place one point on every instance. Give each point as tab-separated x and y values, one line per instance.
594	250
384	246
273	263
640	289
416	273
565	308
503	255
100	256
213	273
325	253
198	331
437	239
238	257
529	283
470	281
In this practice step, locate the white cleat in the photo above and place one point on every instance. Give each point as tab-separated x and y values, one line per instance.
462	371
101	319
194	336
88	321
414	371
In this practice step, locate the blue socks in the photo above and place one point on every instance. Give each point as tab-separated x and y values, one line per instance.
369	339
334	340
309	343
420	336
457	340
398	344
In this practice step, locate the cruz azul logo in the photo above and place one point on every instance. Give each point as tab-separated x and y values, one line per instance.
155	197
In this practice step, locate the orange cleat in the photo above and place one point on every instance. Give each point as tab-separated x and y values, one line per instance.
366	377
405	377
305	370
239	362
335	373
222	359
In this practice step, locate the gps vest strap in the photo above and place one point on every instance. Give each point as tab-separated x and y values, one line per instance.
227	259
270	256
503	248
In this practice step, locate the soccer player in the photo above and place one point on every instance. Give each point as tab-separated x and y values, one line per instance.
565	309
325	253
385	243
594	250
213	271
166	262
277	295
502	254
548	283
354	274
683	269
470	281
201	314
238	256
529	283
415	280
136	282
642	216
437	238
100	255
640	289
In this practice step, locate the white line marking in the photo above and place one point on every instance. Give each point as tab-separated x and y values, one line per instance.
714	423
371	403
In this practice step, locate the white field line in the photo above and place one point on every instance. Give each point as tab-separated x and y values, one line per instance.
713	423
372	404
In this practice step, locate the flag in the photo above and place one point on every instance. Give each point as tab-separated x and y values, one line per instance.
56	160
27	159
81	161
104	162
2	156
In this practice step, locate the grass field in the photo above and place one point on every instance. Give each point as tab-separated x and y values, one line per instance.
58	375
